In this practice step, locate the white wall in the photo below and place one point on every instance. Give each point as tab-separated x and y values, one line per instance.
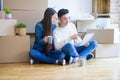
75	6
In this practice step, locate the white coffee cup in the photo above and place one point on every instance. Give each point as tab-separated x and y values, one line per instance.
50	38
83	62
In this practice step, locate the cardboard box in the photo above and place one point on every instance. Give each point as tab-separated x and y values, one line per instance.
14	49
105	36
83	25
26	4
7	27
107	50
25	16
30	13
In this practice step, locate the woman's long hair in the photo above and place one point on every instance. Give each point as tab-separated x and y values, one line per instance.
47	29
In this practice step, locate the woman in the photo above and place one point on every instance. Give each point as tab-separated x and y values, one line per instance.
42	51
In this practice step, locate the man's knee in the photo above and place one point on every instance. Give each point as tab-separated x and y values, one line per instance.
94	43
68	45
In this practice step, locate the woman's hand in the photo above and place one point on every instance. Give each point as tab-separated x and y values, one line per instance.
45	39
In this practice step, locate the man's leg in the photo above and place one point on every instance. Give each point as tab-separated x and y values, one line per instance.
89	56
84	51
71	55
70	50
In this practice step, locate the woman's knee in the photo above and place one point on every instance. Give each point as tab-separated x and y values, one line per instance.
62	56
33	53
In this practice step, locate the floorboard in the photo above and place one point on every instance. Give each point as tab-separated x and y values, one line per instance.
95	69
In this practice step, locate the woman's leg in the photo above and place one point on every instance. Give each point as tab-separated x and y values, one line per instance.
41	57
84	51
58	55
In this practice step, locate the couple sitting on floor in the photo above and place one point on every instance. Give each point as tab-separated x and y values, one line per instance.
65	35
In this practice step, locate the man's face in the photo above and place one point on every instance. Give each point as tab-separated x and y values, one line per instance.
63	21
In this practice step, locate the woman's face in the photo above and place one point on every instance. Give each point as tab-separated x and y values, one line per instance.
53	18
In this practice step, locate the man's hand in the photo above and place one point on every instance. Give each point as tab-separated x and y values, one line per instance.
87	44
74	36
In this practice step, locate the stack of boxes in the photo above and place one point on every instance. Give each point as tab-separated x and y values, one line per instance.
108	42
108	39
30	13
13	48
16	48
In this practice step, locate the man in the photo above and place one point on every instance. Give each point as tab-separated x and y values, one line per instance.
65	37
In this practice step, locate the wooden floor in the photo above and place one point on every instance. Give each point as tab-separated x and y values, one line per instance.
95	69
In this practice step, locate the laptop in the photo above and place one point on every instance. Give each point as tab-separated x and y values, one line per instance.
86	39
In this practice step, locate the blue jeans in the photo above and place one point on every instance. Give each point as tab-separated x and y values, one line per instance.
42	57
79	51
70	50
84	51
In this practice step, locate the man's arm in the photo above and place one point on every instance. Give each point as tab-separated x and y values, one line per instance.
78	39
59	42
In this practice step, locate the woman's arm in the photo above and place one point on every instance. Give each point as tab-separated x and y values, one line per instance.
39	34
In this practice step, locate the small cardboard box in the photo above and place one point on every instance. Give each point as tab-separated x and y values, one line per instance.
105	36
83	25
14	49
7	27
107	50
33	4
25	16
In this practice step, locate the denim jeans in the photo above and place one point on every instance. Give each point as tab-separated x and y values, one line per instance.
42	57
84	51
79	51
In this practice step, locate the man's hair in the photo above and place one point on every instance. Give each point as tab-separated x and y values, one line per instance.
62	12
